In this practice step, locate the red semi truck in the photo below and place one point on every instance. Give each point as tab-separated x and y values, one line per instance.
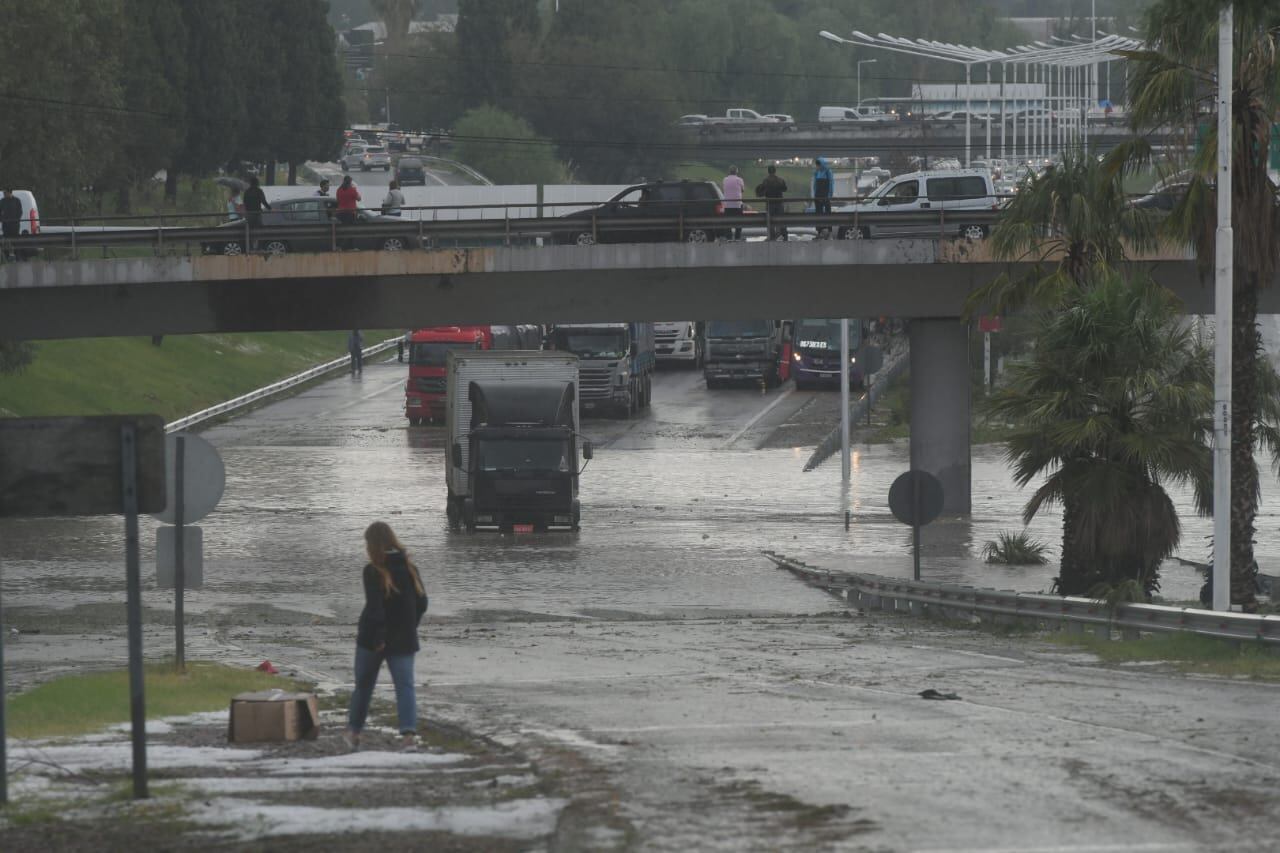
425	391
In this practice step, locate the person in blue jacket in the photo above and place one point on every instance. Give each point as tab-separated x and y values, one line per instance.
823	186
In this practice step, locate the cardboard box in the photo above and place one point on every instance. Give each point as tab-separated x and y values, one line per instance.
273	716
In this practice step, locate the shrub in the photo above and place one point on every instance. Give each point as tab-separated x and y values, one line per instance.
1014	549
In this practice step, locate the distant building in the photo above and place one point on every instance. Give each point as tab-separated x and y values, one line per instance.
928	98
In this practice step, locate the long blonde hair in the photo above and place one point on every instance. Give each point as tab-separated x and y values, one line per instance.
378	541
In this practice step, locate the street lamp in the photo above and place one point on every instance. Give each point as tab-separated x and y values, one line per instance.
861	62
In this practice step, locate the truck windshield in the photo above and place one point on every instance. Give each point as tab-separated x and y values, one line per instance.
592	344
436	353
739	328
825	334
523	454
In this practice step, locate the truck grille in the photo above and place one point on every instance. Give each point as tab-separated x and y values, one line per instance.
430	384
595	382
666	337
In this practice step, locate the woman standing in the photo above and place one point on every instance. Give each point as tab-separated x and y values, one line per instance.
394	200
394	602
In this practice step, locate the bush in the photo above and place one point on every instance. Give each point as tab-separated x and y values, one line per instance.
1014	549
505	148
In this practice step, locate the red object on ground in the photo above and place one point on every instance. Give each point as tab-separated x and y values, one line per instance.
266	667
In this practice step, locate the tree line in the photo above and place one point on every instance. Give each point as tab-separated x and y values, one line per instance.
99	96
600	82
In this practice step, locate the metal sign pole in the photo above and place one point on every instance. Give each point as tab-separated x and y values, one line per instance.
915	526
179	565
133	583
4	762
845	466
1222	327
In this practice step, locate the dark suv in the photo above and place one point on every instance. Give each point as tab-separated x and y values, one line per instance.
652	200
410	170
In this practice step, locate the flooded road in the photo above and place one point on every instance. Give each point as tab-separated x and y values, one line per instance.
676	507
722	704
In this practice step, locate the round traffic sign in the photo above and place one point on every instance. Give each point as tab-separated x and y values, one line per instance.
916	497
203	478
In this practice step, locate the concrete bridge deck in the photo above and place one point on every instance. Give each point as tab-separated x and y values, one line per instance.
187	295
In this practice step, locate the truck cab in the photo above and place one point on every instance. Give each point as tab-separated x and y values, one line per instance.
514	441
678	342
424	392
744	351
615	364
816	353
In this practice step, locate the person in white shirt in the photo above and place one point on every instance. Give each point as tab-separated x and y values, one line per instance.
394	201
733	187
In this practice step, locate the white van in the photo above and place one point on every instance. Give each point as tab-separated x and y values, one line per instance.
30	212
864	115
928	192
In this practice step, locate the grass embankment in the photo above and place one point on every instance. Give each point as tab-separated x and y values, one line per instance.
81	704
184	374
1190	653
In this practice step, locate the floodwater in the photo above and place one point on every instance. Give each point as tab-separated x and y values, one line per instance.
677	506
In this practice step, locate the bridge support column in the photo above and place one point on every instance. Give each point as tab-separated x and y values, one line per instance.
940	407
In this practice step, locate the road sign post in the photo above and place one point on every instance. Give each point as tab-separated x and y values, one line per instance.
196	478
107	465
915	499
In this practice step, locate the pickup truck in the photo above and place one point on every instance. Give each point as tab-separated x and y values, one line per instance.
741	118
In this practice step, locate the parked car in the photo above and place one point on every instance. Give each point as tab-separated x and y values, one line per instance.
864	115
928	192
410	170
312	210
365	158
955	116
654	199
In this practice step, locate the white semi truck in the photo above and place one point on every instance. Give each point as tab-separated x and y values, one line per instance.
512	419
678	342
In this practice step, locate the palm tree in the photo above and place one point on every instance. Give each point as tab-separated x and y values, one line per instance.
1075	211
1113	404
1173	84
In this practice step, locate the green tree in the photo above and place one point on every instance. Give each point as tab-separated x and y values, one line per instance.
1114	404
396	15
220	75
314	112
1172	83
505	148
1075	211
486	32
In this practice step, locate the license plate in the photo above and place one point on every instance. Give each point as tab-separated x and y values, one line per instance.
522	528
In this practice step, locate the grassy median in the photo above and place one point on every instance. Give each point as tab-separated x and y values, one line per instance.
1190	653
184	374
81	704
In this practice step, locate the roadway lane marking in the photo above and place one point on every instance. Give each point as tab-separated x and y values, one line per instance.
767	409
1073	848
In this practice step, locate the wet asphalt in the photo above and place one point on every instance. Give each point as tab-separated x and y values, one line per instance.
729	706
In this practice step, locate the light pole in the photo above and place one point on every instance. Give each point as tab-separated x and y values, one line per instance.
861	62
1222	300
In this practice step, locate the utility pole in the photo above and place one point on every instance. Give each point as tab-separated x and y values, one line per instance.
1224	259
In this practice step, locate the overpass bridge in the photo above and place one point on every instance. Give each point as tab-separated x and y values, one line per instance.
927	280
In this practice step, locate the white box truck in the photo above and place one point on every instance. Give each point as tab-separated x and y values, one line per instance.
512	419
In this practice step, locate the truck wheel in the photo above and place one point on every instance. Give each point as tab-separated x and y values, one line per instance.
648	390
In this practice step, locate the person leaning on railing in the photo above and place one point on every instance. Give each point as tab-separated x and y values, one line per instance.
348	204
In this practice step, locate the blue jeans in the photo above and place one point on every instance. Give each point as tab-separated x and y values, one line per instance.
367	665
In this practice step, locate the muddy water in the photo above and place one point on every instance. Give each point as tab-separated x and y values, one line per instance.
677	506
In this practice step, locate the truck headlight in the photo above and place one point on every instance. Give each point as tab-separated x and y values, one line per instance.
622	377
797	356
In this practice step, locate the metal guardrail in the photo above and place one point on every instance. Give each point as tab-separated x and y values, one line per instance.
490	223
268	391
921	597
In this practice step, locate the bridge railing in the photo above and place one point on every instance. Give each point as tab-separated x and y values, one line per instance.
482	224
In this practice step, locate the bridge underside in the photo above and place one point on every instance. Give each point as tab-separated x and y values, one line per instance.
151	296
